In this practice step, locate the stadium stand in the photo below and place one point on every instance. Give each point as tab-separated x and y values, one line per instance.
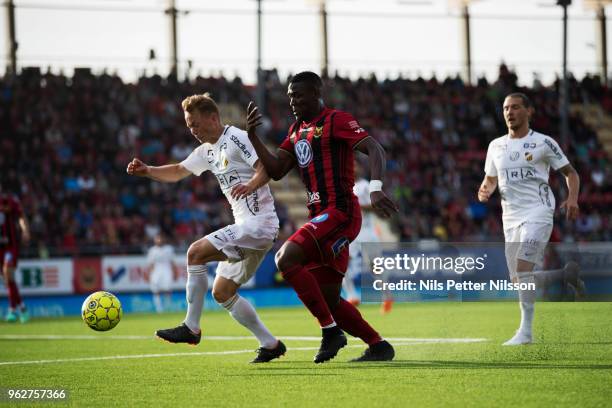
65	143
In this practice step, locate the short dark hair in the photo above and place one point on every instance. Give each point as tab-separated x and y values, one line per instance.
308	77
526	101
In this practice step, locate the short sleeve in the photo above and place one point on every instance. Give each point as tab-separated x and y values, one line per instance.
244	147
553	154
490	169
348	129
196	162
287	144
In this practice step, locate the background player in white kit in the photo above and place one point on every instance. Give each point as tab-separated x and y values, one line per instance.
373	229
161	270
520	163
227	152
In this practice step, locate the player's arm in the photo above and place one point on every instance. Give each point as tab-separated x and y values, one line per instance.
259	179
168	173
487	187
25	229
573	186
382	204
277	166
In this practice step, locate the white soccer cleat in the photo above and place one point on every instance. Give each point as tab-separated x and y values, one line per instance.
519	339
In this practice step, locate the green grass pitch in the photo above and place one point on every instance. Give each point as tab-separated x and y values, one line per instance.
571	364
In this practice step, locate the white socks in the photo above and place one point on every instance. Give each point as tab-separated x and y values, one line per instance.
242	311
527	302
197	285
158	303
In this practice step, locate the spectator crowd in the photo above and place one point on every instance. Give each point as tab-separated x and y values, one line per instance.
65	143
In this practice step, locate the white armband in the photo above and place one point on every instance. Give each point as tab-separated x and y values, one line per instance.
375	185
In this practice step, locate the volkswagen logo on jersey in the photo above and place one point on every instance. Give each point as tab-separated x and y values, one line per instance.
303	152
514	156
319	218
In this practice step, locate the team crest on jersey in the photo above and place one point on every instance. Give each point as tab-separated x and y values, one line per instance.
318	131
528	156
303	152
514	156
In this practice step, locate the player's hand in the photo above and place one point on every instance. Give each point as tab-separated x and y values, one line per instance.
137	168
382	204
253	118
240	191
571	209
483	193
25	236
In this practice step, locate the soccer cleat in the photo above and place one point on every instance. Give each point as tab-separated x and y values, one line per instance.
571	275
333	340
180	334
381	351
24	316
386	307
519	339
264	355
11	316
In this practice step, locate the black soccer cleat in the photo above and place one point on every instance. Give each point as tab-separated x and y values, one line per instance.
381	351
264	355
333	340
180	334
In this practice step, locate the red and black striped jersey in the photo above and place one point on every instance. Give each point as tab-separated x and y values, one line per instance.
323	149
10	212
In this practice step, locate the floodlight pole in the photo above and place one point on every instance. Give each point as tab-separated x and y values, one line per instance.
601	44
564	90
11	41
260	91
172	12
467	52
324	50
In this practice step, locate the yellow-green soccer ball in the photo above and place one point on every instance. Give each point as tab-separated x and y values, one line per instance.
101	311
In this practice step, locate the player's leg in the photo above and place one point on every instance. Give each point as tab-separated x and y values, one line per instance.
15	301
154	281
225	292
291	260
354	268
198	255
529	250
350	319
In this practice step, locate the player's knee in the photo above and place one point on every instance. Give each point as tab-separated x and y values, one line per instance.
195	254
282	262
287	257
220	295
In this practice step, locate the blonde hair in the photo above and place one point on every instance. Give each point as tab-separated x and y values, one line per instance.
202	103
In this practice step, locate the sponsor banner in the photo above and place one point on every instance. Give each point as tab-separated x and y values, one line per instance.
130	274
70	305
87	275
42	277
486	271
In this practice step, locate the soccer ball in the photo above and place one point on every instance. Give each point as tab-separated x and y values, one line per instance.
101	311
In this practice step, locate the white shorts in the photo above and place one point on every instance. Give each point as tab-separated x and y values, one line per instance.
527	242
160	281
245	246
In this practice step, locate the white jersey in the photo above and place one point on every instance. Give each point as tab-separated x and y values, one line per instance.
522	167
231	160
368	222
161	258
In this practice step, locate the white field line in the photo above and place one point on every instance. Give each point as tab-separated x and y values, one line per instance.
396	342
219	338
